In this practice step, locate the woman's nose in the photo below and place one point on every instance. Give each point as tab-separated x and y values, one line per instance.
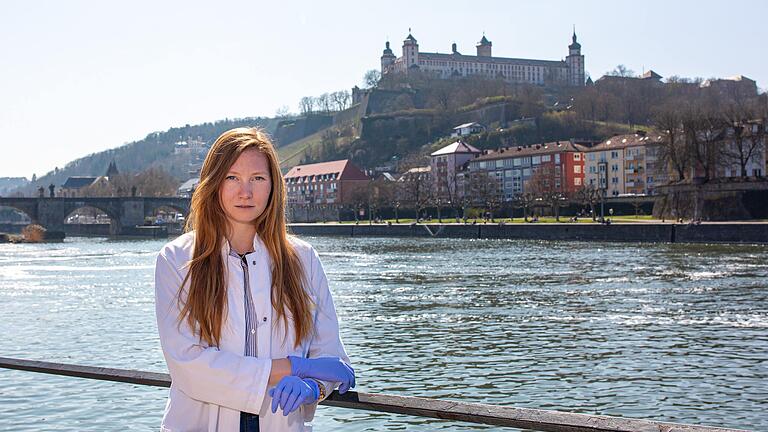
246	189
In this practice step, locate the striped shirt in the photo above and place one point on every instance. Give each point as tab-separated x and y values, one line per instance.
250	309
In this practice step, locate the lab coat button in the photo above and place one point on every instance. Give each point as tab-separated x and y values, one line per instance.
253	331
265	319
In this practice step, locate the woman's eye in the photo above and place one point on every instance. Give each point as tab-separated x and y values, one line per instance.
231	177
259	178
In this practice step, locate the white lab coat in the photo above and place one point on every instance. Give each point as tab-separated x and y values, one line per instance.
211	386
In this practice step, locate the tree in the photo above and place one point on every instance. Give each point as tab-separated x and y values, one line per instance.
621	71
543	186
484	189
307	105
371	78
524	201
324	102
588	196
747	124
417	190
340	99
673	151
283	112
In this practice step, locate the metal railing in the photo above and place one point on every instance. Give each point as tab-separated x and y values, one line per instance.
524	418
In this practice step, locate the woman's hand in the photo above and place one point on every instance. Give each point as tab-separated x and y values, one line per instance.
324	368
292	392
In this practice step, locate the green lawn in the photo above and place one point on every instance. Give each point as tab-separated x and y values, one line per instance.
546	219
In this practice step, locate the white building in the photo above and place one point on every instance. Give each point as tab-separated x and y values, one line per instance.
515	70
466	129
445	165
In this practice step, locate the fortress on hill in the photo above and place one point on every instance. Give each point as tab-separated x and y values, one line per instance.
514	70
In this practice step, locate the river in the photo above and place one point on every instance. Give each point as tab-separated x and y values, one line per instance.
658	331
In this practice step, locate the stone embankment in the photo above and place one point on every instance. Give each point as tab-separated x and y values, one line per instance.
746	232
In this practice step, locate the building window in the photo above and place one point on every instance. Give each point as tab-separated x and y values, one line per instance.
536	160
577	181
517	161
526	172
577	157
546	158
577	169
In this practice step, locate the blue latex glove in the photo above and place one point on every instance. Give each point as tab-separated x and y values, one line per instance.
324	368
292	392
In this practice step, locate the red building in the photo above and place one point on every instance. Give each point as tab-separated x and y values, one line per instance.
331	182
556	166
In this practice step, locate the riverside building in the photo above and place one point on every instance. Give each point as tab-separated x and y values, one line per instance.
569	71
626	164
560	165
331	182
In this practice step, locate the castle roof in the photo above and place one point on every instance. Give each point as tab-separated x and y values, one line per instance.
497	60
574	45
457	147
410	38
484	41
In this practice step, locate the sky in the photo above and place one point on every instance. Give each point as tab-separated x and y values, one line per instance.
78	77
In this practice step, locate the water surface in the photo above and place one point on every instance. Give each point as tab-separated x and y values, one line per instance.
667	332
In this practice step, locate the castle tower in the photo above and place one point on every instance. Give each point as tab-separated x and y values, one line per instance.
575	62
484	47
410	52
387	60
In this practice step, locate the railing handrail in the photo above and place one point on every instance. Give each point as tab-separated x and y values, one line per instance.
524	418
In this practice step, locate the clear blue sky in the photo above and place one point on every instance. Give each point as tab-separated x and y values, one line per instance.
77	77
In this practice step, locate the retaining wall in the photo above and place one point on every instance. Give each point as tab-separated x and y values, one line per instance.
636	232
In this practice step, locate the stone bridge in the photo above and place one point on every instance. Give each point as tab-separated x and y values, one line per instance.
124	212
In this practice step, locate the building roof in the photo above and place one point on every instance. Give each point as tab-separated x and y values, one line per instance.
532	150
457	147
343	168
466	125
410	38
628	140
499	60
77	182
484	41
574	45
651	75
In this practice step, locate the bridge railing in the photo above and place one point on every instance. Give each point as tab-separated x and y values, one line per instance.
524	418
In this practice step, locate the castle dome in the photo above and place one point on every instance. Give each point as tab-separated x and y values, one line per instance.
574	45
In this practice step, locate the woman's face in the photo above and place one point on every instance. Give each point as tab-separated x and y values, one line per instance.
244	193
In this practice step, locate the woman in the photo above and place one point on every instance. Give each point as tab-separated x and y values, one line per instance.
246	321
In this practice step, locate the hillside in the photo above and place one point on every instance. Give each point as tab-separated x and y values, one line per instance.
155	150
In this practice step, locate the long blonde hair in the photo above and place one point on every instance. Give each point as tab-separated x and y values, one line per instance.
205	304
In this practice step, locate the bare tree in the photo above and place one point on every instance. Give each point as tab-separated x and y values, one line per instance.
307	105
673	151
621	71
371	78
588	196
747	125
340	99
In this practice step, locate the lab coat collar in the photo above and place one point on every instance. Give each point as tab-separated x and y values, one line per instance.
258	247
